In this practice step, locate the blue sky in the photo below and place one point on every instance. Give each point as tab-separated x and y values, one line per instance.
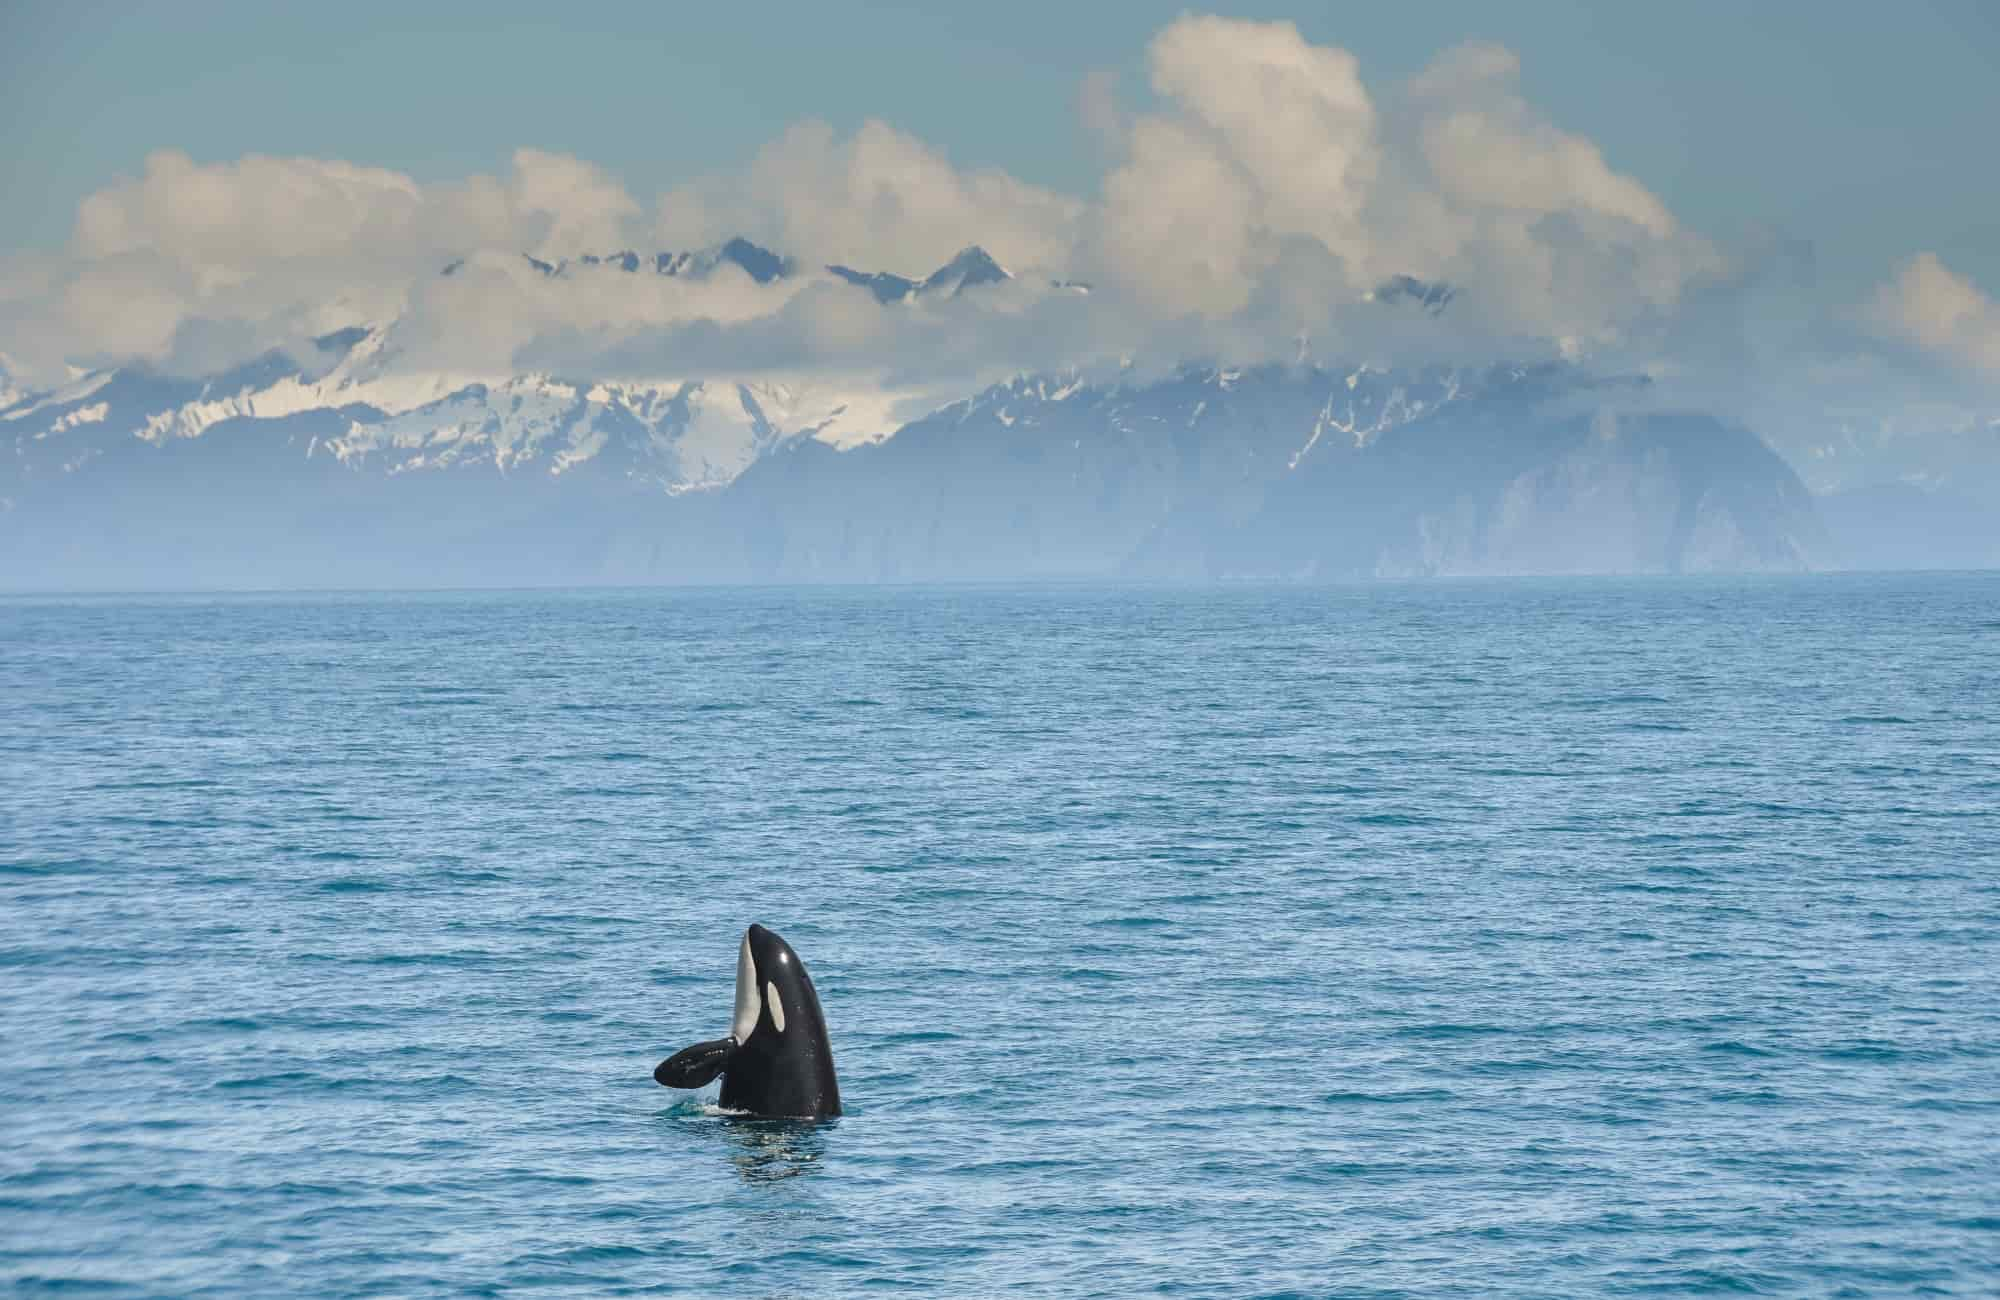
1864	127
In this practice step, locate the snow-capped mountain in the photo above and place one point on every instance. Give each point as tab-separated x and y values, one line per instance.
676	435
759	263
370	410
969	269
346	462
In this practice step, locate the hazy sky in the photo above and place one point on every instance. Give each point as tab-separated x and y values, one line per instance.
1865	127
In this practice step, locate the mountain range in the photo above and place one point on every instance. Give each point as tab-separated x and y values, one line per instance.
348	465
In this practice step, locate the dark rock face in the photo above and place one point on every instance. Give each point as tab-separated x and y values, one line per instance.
1282	474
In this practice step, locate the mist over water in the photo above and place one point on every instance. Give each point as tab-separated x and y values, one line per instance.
1501	938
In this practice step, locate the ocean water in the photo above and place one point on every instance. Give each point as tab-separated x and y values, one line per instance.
1496	939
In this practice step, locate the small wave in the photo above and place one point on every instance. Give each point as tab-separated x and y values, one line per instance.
431	959
36	1284
1607	701
229	1024
1405	1098
704	1108
1952	1105
286	1080
54	867
1700	1280
1733	1047
1876	720
1450	1031
580	1255
355	885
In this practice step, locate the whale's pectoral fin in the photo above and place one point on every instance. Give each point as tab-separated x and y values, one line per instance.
691	1067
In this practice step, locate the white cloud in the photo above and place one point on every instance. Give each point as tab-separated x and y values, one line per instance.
1929	305
1261	135
237	215
1263	140
279	249
1488	149
877	199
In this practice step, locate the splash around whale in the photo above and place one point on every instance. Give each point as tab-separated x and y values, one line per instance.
775	1061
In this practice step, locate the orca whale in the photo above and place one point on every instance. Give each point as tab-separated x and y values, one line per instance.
776	1061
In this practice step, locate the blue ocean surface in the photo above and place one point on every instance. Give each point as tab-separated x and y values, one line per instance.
1521	938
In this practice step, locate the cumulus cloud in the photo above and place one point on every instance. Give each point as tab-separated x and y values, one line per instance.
162	266
1264	135
1267	148
1489	150
234	216
878	198
1930	306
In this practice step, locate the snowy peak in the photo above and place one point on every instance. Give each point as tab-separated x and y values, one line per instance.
1430	295
886	287
761	264
364	409
754	260
969	268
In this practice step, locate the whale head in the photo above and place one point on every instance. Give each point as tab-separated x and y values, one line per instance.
775	1060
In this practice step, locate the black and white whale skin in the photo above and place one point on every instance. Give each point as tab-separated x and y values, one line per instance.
776	1061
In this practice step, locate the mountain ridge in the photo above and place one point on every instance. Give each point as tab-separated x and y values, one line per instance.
1210	471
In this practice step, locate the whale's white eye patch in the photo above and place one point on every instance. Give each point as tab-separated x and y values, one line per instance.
777	1006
